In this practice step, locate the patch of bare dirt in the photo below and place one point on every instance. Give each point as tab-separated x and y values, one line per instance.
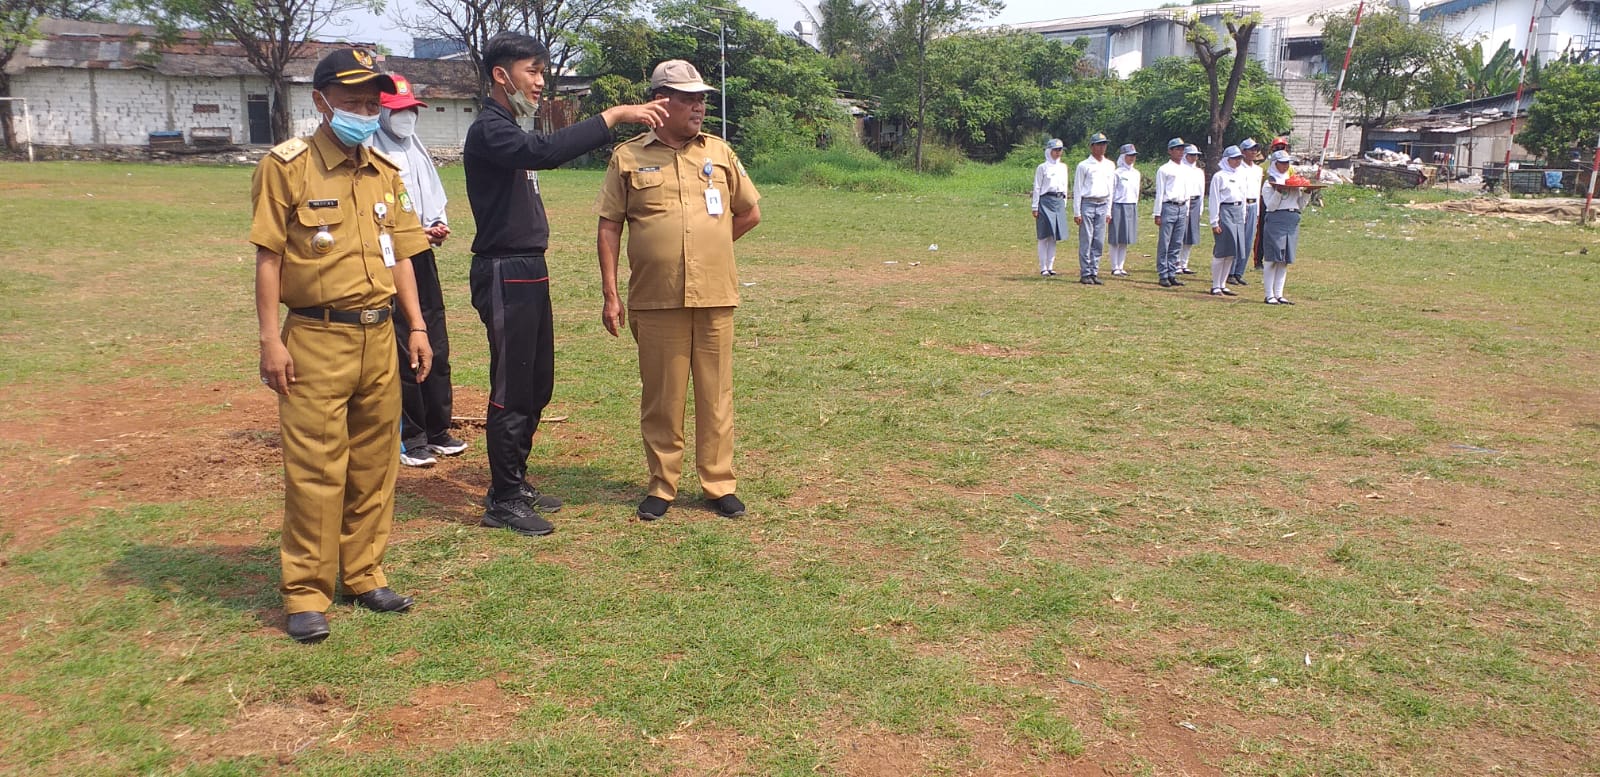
440	717
707	751
278	731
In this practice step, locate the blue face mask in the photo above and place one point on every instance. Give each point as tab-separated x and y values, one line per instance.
353	128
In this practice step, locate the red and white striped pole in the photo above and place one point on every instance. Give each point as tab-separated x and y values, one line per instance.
1327	133
1593	174
1522	83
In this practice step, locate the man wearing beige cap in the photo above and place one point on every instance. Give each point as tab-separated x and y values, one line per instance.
685	198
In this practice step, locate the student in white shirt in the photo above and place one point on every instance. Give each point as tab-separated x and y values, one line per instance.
1171	213
1280	228
1091	208
1197	205
1124	208
1050	182
1227	219
1251	170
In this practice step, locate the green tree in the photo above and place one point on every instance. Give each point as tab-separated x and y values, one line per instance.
1565	114
913	25
1213	54
1480	77
768	72
1171	99
988	91
1396	65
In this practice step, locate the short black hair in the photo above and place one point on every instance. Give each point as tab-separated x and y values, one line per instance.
507	47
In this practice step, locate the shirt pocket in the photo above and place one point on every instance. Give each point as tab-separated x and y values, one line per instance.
314	220
647	191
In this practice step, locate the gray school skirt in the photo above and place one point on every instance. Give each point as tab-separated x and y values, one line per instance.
1191	234
1052	221
1124	224
1231	242
1280	234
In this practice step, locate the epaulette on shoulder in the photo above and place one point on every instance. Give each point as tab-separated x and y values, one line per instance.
289	149
635	139
385	158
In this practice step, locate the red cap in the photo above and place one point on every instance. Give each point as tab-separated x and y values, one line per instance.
1276	142
405	95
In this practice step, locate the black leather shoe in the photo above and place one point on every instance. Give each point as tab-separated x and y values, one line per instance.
652	508
1095	279
1229	293
1177	282
308	627
381	600
727	506
1166	282
517	515
1187	271
1238	280
1282	301
1086	280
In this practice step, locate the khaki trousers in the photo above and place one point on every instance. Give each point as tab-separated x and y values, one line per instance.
673	346
341	452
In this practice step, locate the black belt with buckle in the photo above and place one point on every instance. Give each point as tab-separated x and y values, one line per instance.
363	317
1251	202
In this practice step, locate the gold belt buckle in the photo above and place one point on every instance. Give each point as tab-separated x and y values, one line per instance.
370	316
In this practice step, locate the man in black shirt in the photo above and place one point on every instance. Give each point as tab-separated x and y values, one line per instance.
509	279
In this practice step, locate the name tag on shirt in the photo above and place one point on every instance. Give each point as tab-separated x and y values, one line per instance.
714	201
386	244
315	204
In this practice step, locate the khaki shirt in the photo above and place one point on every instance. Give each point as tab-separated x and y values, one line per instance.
307	184
679	256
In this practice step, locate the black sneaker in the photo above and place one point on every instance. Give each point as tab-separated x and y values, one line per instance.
448	445
542	502
727	506
652	508
517	515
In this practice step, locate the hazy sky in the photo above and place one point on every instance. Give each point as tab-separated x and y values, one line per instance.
381	29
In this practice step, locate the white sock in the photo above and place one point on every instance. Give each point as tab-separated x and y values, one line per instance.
1219	272
1047	254
1183	258
1277	281
1119	254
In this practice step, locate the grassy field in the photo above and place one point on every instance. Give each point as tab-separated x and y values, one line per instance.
1000	525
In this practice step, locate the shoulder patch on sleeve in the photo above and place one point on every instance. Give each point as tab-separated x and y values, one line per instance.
289	149
383	157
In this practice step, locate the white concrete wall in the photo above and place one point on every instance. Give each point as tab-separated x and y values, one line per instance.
84	107
1507	21
1127	52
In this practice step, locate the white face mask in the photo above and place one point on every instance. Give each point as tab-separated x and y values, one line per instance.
402	124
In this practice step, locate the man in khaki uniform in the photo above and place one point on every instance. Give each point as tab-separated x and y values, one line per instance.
685	199
333	228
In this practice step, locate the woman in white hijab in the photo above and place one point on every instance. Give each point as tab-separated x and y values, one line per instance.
1124	208
1051	182
1280	225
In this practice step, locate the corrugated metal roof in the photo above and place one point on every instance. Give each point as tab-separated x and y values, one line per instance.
1295	13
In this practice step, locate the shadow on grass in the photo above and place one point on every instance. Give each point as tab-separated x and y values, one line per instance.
236	577
457	497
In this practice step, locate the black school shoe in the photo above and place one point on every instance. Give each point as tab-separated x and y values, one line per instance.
653	508
518	515
727	506
308	627
381	600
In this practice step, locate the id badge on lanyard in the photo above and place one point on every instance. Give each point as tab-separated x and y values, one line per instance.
385	243
713	194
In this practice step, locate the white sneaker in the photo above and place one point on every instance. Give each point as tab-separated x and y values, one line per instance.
418	458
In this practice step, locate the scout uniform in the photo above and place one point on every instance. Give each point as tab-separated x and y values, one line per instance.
338	224
1091	204
1252	210
682	290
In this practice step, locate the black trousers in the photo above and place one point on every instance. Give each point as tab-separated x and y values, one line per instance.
512	296
426	407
